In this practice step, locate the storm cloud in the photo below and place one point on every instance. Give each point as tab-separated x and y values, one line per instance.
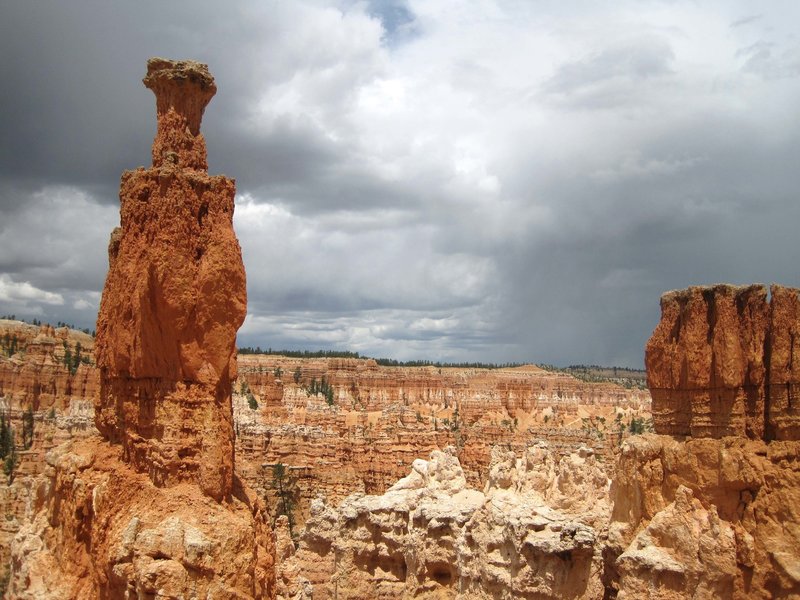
492	180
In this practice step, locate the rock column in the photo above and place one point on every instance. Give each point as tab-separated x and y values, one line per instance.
725	361
173	300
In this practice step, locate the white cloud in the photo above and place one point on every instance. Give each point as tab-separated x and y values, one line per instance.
22	292
495	180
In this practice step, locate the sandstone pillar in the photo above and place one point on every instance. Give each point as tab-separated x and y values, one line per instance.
173	300
725	361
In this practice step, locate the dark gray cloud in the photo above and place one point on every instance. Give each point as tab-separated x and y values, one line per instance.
491	182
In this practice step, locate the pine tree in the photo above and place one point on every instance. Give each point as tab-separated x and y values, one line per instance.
5	436
284	485
27	428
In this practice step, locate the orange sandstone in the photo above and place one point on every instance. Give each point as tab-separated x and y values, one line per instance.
173	300
725	360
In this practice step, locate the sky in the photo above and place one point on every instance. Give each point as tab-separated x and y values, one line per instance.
495	181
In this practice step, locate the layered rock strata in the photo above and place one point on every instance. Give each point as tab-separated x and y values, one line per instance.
173	300
706	518
154	510
725	360
383	418
526	535
46	368
714	515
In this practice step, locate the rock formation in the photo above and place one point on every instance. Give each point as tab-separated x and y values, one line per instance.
173	300
431	536
154	510
714	515
725	360
383	418
46	368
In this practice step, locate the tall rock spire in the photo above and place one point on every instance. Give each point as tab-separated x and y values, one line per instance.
173	300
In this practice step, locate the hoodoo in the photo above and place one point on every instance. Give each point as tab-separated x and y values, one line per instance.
709	508
154	510
173	300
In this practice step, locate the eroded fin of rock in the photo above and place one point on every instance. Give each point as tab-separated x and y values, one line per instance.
725	360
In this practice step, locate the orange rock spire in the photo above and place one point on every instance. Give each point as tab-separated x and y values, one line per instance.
173	300
725	360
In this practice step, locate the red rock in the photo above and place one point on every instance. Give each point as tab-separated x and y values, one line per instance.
173	300
783	408
722	362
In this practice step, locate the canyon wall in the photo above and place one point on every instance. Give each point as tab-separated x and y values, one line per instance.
378	420
725	360
46	368
530	533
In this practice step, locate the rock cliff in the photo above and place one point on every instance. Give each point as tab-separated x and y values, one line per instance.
714	515
46	368
153	508
378	420
173	300
725	360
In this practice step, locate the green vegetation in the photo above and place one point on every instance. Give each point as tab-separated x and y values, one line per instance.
244	389
72	359
27	428
39	323
8	344
8	450
321	388
390	362
300	353
628	378
640	425
284	486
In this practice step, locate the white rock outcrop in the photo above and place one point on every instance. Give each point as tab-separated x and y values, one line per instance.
430	536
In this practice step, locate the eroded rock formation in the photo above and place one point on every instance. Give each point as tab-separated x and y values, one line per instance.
173	300
714	515
707	518
154	510
383	418
725	360
526	535
46	368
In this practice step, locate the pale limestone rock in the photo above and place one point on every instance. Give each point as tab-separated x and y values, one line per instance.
685	552
429	536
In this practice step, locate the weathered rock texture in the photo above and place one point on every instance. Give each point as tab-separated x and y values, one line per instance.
527	535
725	360
95	528
155	510
714	515
37	375
173	300
706	518
383	418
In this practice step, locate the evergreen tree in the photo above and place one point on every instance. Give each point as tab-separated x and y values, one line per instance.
284	485
5	436
27	428
10	462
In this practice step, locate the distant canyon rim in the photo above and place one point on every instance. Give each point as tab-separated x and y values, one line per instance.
153	462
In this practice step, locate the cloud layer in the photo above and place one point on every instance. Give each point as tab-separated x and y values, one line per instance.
494	181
